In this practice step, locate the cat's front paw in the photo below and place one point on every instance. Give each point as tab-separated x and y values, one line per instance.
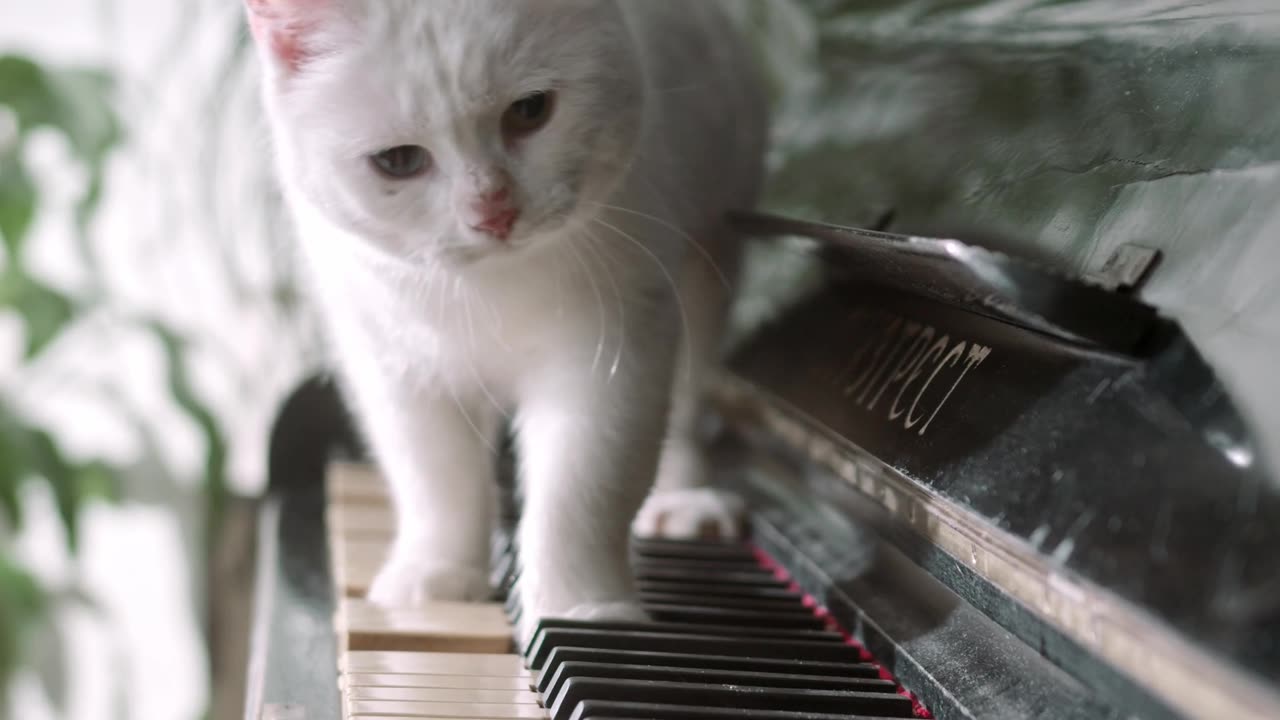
405	584
691	514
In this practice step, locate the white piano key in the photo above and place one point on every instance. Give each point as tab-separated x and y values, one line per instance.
396	709
348	521
458	682
435	663
436	627
451	695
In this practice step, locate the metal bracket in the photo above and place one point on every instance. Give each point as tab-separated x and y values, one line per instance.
1126	270
1031	295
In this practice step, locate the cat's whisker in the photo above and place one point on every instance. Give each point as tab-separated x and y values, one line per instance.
724	280
453	393
471	362
433	275
675	287
603	330
462	408
617	295
593	247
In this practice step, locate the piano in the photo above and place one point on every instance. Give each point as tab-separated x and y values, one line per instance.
981	484
978	487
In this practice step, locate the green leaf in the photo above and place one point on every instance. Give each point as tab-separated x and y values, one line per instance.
12	471
47	656
27	451
182	391
17	203
23	606
25	89
44	311
98	481
76	103
48	462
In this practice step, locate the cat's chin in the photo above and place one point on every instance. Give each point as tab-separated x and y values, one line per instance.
463	257
467	255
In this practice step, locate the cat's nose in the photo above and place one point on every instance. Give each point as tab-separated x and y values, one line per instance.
496	212
498	224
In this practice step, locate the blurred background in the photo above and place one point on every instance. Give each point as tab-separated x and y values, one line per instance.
150	324
148	329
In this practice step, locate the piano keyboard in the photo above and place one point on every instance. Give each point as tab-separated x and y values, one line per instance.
729	638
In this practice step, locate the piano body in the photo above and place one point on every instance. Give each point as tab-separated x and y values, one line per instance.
981	484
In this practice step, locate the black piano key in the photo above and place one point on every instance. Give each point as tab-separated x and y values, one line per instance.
711	590
705	676
550	624
550	639
758	578
676	542
512	603
693	610
608	710
746	697
681	617
726	663
512	576
710	615
499	543
789	605
676	550
503	572
696	563
786	609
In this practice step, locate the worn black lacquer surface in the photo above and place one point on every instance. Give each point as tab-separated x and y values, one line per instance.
962	664
298	657
1119	469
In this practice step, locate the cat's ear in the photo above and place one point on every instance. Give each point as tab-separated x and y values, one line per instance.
288	32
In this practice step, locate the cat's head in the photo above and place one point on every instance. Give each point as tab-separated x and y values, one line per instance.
450	129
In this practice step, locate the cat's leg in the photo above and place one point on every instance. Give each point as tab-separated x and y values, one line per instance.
681	505
436	451
588	451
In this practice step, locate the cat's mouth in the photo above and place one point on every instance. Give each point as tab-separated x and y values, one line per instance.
471	249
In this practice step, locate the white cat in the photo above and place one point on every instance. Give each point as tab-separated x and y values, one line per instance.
514	209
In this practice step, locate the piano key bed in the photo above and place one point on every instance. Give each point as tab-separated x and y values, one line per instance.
730	636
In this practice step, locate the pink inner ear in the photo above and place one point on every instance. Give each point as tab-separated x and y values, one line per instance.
281	26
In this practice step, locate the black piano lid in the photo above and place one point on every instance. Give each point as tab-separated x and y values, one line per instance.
1072	419
977	279
1074	311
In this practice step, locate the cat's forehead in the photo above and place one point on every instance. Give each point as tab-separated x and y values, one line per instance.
469	46
427	57
416	67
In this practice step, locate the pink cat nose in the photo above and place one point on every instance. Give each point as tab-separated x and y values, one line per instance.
498	224
496	212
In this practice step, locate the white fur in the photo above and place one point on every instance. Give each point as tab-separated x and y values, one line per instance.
608	297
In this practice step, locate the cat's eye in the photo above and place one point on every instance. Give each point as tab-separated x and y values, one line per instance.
528	114
401	162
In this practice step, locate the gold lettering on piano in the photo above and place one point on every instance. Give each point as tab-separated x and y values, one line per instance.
923	366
